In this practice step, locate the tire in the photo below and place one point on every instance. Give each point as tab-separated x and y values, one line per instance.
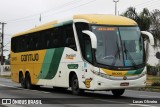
36	87
118	92
75	86
28	81
59	89
22	81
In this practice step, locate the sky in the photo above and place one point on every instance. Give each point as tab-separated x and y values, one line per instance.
21	15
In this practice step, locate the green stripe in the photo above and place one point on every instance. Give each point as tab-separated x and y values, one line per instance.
63	23
67	22
58	25
51	63
55	63
139	71
46	63
135	72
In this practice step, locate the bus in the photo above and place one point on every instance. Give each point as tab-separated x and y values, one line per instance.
87	52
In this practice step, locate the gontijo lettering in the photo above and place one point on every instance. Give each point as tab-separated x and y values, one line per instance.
30	57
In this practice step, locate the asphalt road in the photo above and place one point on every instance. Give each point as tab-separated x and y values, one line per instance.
49	97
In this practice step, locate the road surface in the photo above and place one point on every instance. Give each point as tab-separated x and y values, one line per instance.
49	97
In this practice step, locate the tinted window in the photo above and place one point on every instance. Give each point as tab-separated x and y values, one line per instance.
51	38
84	40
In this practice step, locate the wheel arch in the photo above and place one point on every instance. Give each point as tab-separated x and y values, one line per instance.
70	77
20	74
27	72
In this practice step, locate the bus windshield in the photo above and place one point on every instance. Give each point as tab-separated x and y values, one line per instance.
119	46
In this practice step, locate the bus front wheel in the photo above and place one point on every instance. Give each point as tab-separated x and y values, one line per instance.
22	81
75	86
118	92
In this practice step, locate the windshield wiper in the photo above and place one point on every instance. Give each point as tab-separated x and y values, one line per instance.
117	54
129	55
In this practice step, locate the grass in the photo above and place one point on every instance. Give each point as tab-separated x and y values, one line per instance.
5	76
153	78
150	80
155	87
152	88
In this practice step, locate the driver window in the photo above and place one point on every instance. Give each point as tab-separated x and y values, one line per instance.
88	50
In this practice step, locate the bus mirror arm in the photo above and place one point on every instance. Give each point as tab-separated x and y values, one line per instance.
92	37
149	35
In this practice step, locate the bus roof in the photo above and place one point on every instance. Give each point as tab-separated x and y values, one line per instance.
90	18
105	19
38	28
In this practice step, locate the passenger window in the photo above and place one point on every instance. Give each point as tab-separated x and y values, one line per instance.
69	37
51	38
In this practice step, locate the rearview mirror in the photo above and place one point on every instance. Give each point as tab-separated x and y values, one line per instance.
149	35
92	37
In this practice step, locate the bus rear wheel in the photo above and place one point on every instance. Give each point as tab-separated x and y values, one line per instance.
118	92
75	86
28	81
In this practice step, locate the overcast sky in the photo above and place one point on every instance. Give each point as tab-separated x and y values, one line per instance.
21	15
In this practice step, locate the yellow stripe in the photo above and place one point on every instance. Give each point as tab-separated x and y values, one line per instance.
105	19
114	73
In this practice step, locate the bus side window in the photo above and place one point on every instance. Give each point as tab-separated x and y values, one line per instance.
69	37
56	38
70	42
51	40
19	47
36	42
14	44
48	40
44	41
41	40
31	44
21	43
84	41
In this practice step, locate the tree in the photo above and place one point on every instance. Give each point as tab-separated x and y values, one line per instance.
143	19
155	27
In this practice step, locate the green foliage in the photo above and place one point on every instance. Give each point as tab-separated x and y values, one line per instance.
156	83
143	19
147	21
153	70
155	28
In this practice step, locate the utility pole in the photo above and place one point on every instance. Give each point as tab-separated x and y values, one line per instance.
115	6
2	37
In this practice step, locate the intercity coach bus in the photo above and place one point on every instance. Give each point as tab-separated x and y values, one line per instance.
87	52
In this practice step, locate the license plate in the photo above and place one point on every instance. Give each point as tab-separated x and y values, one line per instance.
124	84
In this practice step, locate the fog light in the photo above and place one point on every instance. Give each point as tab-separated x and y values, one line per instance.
99	83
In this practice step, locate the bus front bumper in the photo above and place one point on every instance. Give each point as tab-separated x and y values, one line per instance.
108	84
